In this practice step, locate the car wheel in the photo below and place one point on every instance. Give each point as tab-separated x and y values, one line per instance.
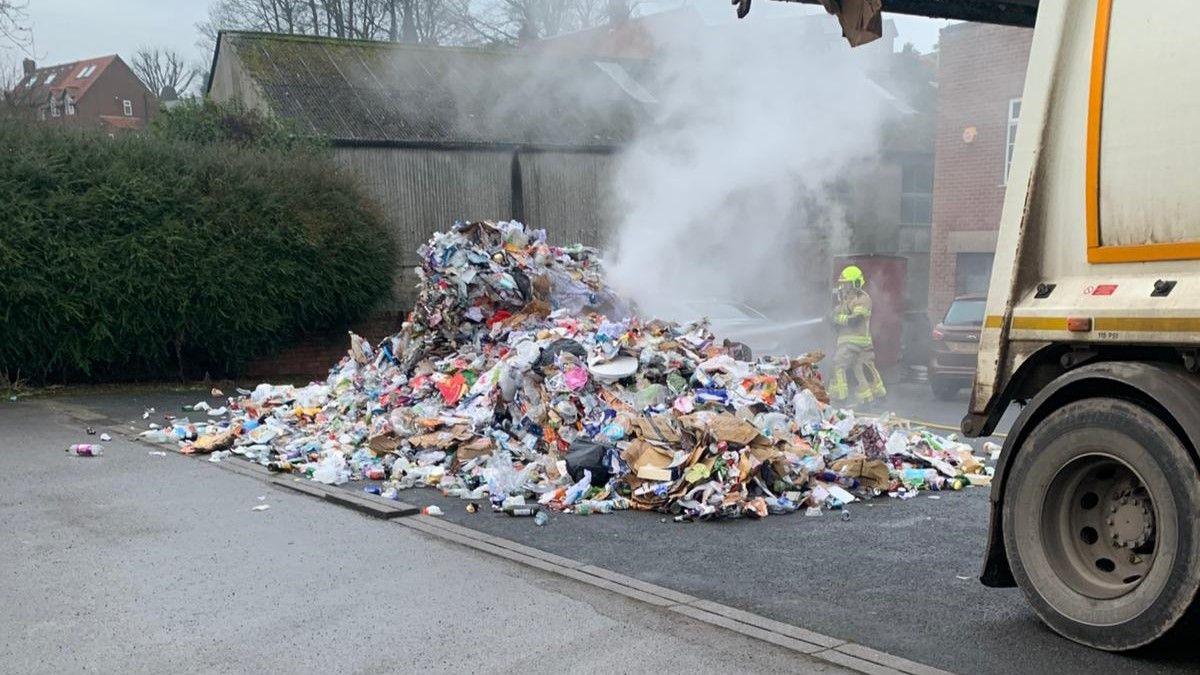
1099	524
944	389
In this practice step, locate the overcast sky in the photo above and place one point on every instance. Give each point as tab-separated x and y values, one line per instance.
68	30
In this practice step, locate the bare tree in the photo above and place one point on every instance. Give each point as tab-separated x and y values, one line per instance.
13	29
422	21
513	21
15	101
160	68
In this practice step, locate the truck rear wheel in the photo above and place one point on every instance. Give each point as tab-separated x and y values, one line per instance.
1100	524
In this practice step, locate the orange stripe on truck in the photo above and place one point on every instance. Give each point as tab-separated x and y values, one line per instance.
1136	324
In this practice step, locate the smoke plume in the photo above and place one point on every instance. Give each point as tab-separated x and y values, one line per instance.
732	192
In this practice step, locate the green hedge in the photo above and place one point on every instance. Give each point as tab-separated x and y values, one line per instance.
148	256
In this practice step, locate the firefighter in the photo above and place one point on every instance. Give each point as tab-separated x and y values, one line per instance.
855	351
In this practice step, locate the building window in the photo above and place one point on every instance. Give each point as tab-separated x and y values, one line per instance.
54	109
50	78
127	105
916	193
69	104
972	273
86	72
1014	116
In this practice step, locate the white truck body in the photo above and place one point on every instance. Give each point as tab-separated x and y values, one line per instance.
1104	195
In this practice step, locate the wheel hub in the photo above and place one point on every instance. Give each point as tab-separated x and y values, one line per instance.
1130	522
1099	527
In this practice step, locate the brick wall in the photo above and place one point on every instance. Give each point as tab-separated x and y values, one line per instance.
313	356
981	68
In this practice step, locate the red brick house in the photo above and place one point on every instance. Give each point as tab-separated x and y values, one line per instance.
981	75
97	93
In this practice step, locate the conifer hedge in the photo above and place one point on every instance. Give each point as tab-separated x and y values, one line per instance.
152	255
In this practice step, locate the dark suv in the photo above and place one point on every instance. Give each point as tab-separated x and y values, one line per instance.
956	346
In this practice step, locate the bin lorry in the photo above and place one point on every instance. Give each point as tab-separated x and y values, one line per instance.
1092	321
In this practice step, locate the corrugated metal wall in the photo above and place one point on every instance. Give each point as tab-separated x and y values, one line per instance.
569	194
425	190
422	191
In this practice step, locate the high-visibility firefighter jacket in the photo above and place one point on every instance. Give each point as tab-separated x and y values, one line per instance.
853	318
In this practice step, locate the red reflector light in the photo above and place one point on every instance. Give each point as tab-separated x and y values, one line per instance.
937	335
1079	324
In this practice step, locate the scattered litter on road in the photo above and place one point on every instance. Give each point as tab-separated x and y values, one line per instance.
520	377
86	450
432	510
105	437
157	453
216	393
261	507
90	431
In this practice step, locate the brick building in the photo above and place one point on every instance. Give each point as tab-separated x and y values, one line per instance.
981	75
94	93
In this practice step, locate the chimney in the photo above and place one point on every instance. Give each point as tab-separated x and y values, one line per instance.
29	65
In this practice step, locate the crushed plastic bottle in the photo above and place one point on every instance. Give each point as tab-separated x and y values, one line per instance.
541	518
86	450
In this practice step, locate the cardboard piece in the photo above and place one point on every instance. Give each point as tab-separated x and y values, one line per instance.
213	442
660	428
443	439
724	427
872	473
476	447
384	443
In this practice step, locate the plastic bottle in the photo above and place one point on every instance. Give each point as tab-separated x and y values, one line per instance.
522	510
541	518
375	473
86	450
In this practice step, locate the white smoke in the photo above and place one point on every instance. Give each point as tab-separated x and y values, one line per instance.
730	192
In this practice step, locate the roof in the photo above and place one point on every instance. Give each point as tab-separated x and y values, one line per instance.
358	91
1007	12
74	77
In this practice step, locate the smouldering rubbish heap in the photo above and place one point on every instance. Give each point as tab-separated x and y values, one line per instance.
520	377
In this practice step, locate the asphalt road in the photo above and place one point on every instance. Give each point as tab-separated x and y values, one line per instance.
898	576
133	562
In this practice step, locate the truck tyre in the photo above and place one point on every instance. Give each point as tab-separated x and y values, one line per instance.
944	389
1100	524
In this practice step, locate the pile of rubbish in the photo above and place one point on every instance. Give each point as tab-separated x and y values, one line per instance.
520	378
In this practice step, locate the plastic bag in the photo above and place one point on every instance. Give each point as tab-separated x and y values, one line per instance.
590	458
808	408
332	470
